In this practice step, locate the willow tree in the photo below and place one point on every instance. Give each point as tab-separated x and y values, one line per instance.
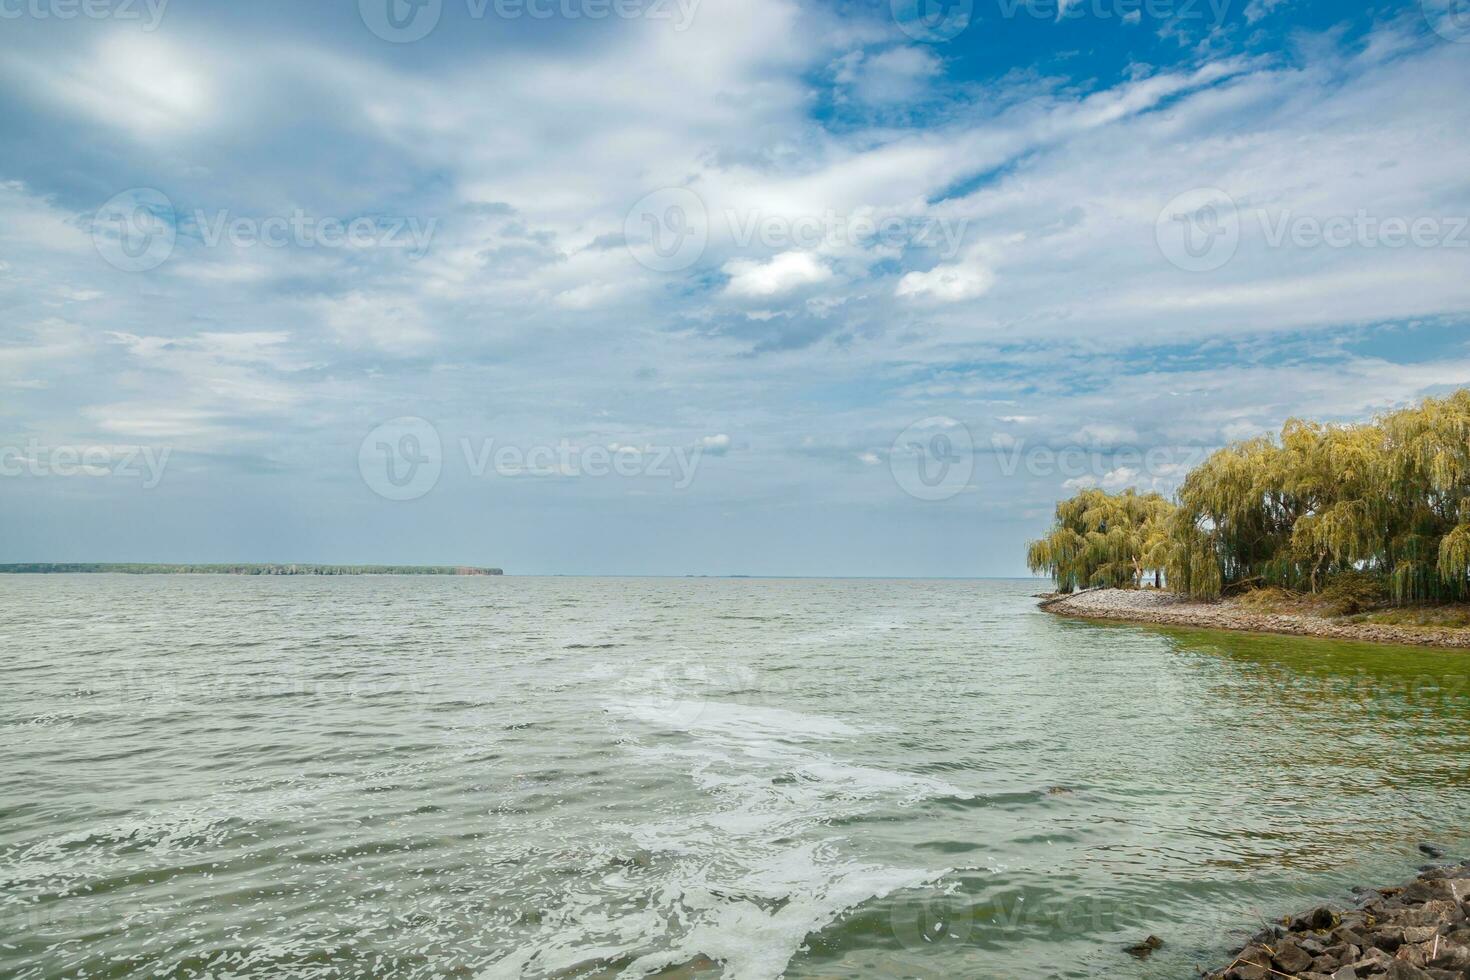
1103	539
1427	478
1388	499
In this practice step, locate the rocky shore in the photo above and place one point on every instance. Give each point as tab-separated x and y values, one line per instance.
1168	609
1418	931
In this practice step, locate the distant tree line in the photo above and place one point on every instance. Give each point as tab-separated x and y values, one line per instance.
1387	500
246	569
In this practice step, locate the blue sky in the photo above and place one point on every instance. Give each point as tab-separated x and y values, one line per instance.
650	286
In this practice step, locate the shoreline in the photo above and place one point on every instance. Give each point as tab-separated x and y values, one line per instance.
1415	931
237	568
1155	608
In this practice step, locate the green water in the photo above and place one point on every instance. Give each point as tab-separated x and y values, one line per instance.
416	777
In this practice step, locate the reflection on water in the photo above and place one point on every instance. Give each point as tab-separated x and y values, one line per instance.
578	777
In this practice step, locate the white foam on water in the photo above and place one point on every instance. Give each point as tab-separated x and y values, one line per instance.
744	721
756	944
746	872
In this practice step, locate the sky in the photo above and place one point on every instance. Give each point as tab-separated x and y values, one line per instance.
766	287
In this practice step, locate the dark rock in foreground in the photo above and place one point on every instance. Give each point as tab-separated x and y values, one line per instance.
1416	932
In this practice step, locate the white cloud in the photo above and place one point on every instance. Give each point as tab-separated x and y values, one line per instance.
389	323
947	283
526	293
715	445
1258	9
782	274
1104	435
897	75
1237	431
133	80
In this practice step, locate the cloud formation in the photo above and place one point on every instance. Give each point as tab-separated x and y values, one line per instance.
884	231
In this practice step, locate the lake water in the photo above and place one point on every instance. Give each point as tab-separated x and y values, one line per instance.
507	777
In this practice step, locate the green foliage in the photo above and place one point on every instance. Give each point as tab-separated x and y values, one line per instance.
1353	592
1357	514
1388	501
1103	539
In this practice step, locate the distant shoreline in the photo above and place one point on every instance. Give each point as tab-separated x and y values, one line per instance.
285	568
1169	609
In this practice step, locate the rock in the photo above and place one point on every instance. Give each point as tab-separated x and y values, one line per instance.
1415	953
1373	961
1291	958
1459	888
1247	971
1144	949
1321	917
1433	913
1268	935
1418	931
1447	954
1424	890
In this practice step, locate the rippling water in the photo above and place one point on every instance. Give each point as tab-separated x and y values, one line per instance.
428	777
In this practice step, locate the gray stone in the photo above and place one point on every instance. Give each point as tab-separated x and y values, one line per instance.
1248	971
1291	958
1433	913
1446	954
1373	959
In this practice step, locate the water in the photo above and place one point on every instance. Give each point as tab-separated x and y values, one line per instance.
481	777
